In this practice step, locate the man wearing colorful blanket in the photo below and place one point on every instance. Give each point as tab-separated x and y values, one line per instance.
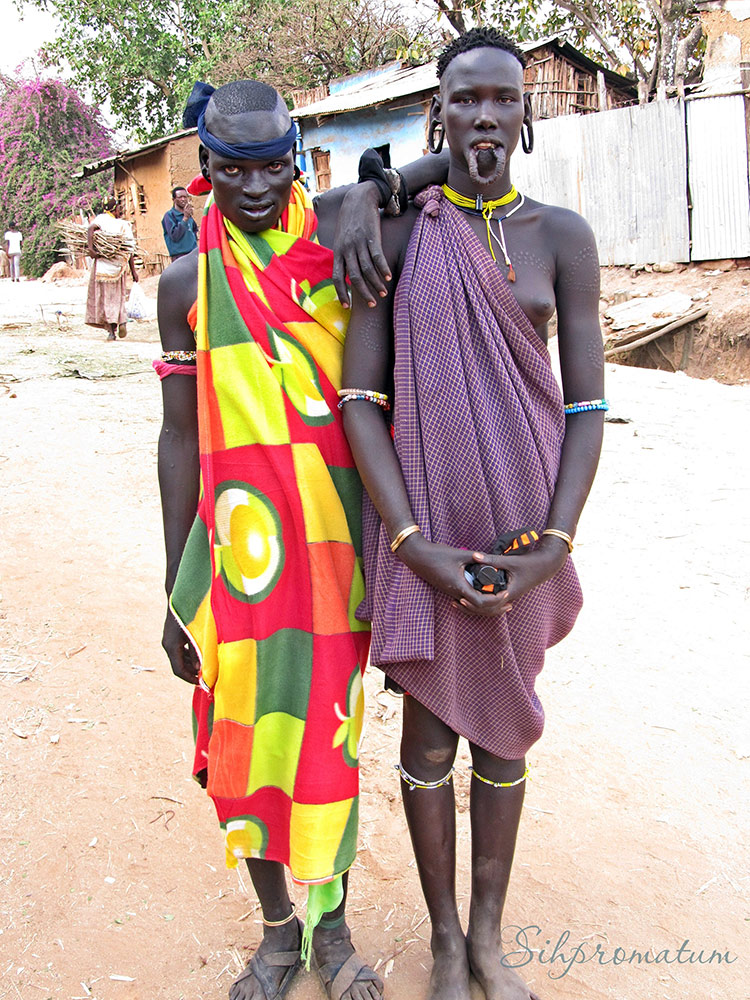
264	582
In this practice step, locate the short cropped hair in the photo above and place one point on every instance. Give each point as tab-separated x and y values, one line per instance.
180	187
478	38
244	95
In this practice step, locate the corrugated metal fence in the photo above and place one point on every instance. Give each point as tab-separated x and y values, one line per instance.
633	172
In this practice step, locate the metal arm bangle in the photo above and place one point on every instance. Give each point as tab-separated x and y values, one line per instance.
403	535
560	534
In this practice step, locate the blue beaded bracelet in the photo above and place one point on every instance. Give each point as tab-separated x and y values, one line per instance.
584	405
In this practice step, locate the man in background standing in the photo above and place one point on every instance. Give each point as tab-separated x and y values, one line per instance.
13	245
180	230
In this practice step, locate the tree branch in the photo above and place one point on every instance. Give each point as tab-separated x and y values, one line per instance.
596	30
658	13
180	25
161	85
453	14
685	48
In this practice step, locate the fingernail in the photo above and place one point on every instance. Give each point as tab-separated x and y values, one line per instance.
382	294
372	304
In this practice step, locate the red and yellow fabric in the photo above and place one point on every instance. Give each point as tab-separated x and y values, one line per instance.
271	573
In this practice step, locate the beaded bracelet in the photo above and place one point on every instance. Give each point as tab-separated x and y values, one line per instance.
369	395
584	405
181	357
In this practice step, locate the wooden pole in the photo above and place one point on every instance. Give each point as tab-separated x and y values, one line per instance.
655	334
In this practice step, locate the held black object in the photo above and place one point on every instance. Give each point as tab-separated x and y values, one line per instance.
486	578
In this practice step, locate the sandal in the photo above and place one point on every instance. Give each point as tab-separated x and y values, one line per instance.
260	966
338	979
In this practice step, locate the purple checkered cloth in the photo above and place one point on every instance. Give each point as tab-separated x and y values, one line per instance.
479	424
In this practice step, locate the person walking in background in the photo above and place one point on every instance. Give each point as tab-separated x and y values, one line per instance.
13	241
180	230
105	303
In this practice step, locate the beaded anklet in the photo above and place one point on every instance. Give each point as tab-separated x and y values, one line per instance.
369	395
413	783
584	405
500	784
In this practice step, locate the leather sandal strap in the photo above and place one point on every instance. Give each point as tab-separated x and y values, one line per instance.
280	958
353	969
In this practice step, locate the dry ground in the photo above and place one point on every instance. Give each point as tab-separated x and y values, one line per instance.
634	835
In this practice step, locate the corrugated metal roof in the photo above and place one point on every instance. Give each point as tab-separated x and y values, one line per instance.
400	83
403	82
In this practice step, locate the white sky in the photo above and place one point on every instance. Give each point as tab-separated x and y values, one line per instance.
20	38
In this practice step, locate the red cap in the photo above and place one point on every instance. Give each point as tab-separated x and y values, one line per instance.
199	185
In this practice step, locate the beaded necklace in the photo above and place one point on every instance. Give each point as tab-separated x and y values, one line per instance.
478	206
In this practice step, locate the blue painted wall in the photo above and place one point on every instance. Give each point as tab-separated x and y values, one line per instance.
346	135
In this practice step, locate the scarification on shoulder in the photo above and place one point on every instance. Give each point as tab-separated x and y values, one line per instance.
582	272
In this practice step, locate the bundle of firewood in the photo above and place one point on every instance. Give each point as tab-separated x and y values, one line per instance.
109	247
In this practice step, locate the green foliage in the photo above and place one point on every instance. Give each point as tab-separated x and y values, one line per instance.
301	44
657	40
46	133
144	58
141	57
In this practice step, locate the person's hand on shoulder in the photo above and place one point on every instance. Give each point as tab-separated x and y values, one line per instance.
357	246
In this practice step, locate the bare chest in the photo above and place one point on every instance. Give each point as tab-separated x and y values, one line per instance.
533	265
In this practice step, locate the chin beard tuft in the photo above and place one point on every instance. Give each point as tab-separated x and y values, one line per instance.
485	165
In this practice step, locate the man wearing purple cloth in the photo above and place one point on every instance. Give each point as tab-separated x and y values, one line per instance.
481	444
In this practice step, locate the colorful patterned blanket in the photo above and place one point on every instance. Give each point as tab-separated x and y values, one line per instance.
271	572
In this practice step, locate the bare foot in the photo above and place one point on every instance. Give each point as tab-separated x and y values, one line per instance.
498	981
334	956
279	945
449	979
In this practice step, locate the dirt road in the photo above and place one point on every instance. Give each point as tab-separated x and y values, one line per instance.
112	878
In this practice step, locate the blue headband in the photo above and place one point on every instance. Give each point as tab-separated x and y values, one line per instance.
270	150
195	114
